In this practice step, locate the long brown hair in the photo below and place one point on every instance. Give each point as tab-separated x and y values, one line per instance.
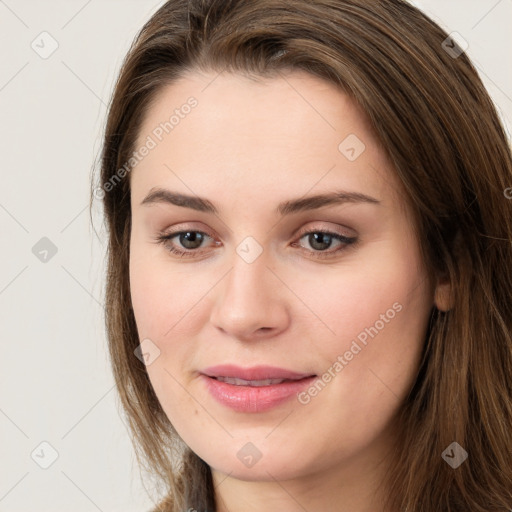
435	120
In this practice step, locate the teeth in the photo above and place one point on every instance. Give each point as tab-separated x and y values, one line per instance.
242	382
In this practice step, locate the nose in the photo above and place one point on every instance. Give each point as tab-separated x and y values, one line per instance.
250	302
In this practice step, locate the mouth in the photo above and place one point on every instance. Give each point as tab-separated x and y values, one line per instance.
255	389
253	374
254	383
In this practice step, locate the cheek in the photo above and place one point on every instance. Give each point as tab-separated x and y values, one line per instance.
377	318
148	298
386	300
371	363
162	301
162	295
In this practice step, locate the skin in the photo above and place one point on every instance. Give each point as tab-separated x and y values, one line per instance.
247	146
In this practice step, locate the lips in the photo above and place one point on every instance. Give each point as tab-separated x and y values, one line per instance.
255	389
255	383
255	373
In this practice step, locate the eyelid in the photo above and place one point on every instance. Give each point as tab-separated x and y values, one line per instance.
184	227
346	240
304	231
299	233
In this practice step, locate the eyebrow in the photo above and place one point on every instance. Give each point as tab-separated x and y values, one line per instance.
160	195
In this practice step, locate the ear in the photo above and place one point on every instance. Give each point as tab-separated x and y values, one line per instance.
443	299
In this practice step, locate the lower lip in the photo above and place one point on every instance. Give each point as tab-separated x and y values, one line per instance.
252	398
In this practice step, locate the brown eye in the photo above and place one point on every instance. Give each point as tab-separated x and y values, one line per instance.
186	244
320	241
190	239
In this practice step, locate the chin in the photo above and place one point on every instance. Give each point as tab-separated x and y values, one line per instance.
249	463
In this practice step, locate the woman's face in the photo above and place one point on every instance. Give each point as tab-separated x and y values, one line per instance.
329	294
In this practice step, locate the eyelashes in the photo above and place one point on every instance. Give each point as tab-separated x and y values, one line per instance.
318	239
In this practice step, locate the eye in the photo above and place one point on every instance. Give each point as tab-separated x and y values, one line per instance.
321	240
190	242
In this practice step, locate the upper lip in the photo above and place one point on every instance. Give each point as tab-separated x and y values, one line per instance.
253	373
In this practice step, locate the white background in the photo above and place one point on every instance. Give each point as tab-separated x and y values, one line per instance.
55	380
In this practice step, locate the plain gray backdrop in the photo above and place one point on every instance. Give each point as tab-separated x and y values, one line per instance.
63	444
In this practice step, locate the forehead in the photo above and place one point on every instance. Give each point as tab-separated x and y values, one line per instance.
235	101
292	130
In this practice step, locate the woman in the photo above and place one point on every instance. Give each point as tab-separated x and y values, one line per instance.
309	285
